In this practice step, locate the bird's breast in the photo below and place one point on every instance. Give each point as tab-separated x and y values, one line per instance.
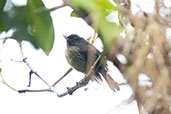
75	59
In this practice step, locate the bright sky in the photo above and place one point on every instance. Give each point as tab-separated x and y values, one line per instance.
98	99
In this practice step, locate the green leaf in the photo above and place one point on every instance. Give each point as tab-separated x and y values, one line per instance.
73	14
30	23
17	19
2	4
0	70
2	24
41	24
99	10
88	39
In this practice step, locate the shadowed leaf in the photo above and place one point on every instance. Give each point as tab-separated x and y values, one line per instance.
30	23
2	4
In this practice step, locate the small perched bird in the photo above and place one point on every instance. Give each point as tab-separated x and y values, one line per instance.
81	55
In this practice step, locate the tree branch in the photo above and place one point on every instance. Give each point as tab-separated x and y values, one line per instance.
69	70
28	90
5	83
34	72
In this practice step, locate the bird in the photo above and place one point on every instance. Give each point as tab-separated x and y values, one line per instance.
81	55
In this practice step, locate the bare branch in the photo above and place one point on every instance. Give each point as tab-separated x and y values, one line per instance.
57	7
78	85
34	72
28	90
50	89
69	70
5	83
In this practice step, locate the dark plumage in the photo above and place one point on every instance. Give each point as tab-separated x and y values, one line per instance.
81	55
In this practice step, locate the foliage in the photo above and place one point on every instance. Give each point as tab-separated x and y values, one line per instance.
29	23
2	4
97	11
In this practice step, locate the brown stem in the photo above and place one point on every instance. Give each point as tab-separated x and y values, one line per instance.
69	70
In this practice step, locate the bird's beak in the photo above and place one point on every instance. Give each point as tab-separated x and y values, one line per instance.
65	37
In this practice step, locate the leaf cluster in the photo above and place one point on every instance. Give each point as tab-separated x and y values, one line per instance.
29	23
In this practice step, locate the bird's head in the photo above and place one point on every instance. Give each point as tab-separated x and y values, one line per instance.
75	40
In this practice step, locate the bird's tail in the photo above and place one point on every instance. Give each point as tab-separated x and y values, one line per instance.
103	72
112	84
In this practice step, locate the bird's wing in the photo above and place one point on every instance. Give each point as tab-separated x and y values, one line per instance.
88	52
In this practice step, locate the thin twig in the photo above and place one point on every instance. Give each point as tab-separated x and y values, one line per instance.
50	89
30	76
25	61
69	70
28	90
5	83
71	90
5	38
21	49
126	83
94	37
57	7
49	10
